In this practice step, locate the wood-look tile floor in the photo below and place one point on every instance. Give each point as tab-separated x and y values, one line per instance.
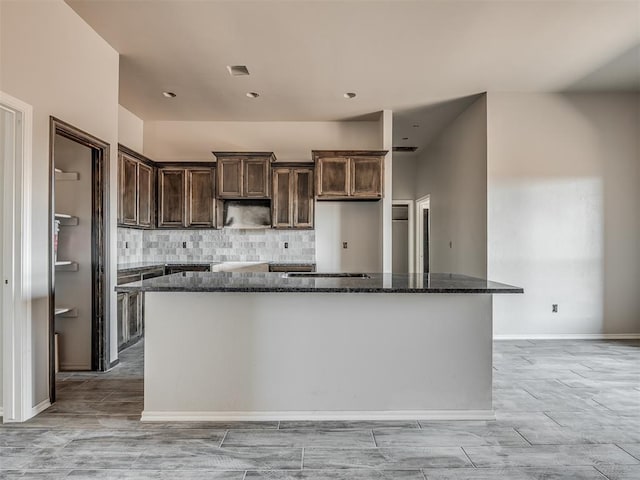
564	410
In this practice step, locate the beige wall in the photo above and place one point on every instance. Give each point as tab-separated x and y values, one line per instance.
54	61
358	224
452	170
130	129
291	141
563	203
404	176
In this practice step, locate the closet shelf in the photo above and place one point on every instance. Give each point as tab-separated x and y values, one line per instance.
67	220
66	312
66	266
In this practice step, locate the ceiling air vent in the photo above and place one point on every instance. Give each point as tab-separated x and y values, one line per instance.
237	70
405	149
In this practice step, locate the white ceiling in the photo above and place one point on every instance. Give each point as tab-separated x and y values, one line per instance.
422	59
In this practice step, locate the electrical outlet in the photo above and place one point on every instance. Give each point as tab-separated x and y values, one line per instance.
286	244
344	245
554	308
126	244
184	244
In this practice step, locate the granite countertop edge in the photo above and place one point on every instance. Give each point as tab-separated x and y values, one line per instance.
489	291
277	283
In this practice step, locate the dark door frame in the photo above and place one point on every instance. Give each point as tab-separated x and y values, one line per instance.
100	315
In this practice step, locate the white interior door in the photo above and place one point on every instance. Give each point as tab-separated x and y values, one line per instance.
16	123
7	154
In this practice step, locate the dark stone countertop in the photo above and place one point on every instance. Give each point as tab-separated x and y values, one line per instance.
279	282
132	267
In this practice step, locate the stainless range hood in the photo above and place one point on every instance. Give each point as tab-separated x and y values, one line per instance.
247	214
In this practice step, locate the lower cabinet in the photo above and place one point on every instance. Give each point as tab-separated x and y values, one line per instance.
130	309
122	320
130	318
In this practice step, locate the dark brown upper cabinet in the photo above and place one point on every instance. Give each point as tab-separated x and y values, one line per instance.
230	178
292	201
333	177
244	174
146	195
172	189
201	198
349	174
186	196
136	189
366	176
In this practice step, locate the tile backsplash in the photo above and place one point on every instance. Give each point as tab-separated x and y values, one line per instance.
215	245
130	245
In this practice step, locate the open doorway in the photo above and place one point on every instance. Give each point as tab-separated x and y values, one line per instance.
422	235
79	238
402	236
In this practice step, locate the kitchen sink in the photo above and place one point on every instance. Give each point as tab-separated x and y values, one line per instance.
327	275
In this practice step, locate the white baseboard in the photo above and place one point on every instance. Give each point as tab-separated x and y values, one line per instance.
41	407
150	416
570	336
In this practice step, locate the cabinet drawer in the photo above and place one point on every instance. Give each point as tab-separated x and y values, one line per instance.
128	278
187	268
292	268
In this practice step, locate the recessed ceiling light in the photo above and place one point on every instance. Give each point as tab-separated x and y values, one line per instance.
252	94
415	125
405	138
237	70
349	95
168	94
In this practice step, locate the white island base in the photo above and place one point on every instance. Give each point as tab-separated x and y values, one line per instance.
222	356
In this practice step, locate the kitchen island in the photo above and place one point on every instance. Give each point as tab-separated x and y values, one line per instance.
265	346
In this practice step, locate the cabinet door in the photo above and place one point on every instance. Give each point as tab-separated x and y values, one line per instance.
366	177
256	178
120	206
201	197
127	195
281	204
133	315
122	319
230	178
171	189
145	195
302	198
333	177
